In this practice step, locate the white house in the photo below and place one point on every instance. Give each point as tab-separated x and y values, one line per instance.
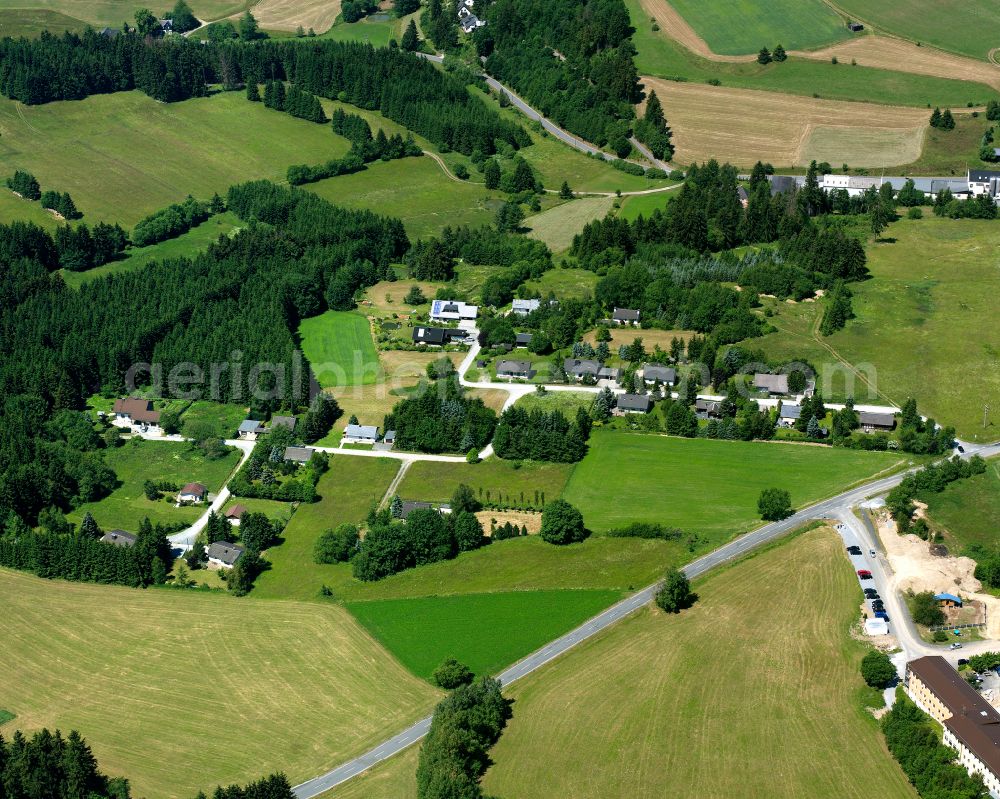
452	311
192	492
525	307
984	181
249	429
136	414
360	434
653	373
625	316
223	554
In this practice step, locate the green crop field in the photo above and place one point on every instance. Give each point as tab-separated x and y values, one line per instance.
99	13
153	679
733	697
101	150
968	27
920	329
346	493
340	349
738	28
137	461
705	486
5	716
968	510
415	190
436	482
484	631
184	246
557	226
661	56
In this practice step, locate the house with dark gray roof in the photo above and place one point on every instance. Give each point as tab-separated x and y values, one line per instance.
408	506
782	184
707	408
522	339
578	368
871	422
790	413
224	554
651	373
772	384
298	455
438	336
520	370
625	316
633	403
249	429
119	538
283	421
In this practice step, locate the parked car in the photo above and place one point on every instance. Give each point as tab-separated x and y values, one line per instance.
871	593
963	661
854	549
881	614
961	448
955	645
871	553
864	574
877	605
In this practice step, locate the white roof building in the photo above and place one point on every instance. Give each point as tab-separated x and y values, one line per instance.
452	311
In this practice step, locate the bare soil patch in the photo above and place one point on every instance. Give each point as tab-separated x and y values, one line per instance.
744	126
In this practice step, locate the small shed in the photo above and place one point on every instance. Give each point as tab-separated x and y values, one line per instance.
855	27
946	600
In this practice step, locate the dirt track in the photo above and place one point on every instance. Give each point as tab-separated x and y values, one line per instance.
878	51
746	125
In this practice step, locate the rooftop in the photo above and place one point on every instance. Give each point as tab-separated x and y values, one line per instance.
361	431
298	454
224	552
634	402
119	538
195	489
775	384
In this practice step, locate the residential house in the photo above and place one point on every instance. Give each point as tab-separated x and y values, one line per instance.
707	408
789	414
946	600
971	724
109	33
525	307
119	538
772	384
223	554
136	413
665	375
360	434
609	374
578	368
984	181
192	492
165	25
249	429
235	513
519	370
283	421
633	403
741	194
437	336
452	311
522	340
871	422
625	316
298	455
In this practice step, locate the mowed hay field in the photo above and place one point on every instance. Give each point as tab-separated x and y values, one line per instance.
340	349
288	15
183	691
744	126
114	12
738	27
30	22
738	696
123	156
969	27
705	486
557	226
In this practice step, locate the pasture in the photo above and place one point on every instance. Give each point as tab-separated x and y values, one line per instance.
486	632
149	676
69	145
643	205
744	27
137	461
346	493
704	486
376	30
577	283
661	705
204	418
557	226
968	27
30	22
113	13
339	346
968	510
919	329
742	127
490	479
931	76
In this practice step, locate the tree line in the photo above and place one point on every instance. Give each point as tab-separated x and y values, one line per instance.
933	478
441	418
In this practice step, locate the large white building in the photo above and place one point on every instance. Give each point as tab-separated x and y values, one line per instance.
971	724
452	311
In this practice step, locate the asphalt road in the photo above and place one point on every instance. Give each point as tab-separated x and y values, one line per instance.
838	507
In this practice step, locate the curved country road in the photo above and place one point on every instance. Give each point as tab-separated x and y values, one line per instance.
839	507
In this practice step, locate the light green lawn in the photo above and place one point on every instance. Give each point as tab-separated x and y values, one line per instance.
269	507
486	632
148	155
968	27
644	204
14	207
557	226
969	510
661	56
137	461
436	482
339	347
215	418
566	283
704	486
30	22
566	401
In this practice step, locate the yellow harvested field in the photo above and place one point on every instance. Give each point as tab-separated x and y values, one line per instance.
519	518
886	52
650	337
287	15
743	126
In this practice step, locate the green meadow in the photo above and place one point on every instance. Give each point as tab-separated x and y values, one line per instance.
968	510
340	349
703	486
77	14
489	479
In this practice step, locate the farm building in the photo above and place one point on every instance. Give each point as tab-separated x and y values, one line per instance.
298	455
192	492
984	181
452	311
946	600
408	506
360	434
249	429
772	384
119	538
871	422
633	403
653	373
223	554
971	724
520	370
625	316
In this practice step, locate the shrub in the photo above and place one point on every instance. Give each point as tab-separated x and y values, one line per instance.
675	595
940	636
25	184
336	546
774	504
877	670
924	608
562	523
915	213
451	674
